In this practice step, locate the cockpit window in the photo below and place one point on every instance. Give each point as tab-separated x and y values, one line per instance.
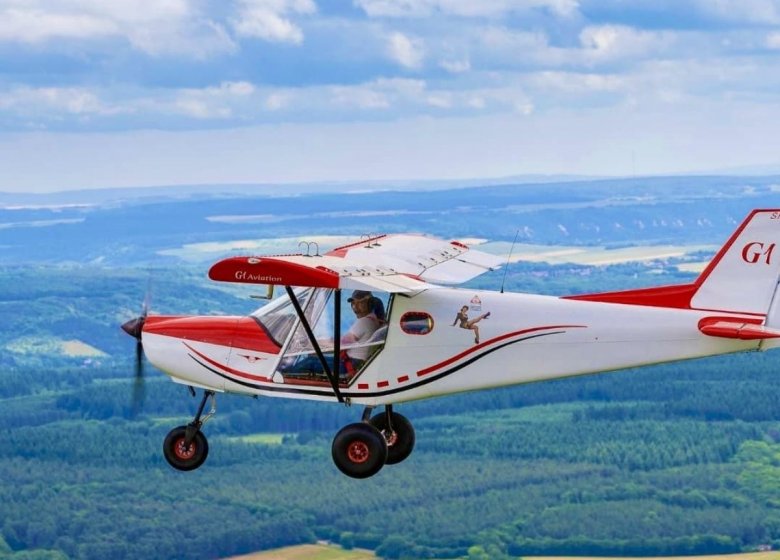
278	316
363	330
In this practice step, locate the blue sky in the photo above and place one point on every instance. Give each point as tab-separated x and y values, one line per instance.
97	93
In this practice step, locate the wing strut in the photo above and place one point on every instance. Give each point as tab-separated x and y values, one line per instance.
337	332
334	382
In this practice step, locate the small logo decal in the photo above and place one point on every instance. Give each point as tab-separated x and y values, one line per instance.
755	251
250	359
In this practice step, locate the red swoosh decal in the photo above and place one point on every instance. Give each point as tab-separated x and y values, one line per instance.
226	368
488	342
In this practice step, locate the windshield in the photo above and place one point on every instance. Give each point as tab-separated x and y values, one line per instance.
278	316
319	318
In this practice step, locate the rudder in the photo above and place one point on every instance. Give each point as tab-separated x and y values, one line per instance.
743	276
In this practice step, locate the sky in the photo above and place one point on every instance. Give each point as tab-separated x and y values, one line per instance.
99	93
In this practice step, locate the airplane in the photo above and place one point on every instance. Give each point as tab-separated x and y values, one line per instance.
379	322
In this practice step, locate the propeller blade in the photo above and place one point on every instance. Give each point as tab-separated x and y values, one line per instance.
139	389
135	327
147	300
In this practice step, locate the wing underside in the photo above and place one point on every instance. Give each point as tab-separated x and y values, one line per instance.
393	263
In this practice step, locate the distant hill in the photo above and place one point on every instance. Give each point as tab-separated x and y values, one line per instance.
130	226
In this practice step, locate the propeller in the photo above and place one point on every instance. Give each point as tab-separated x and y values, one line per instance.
134	327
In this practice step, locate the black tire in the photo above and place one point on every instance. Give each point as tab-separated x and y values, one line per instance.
181	457
400	441
359	450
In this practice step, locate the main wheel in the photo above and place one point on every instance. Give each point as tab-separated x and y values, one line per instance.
185	457
400	440
359	450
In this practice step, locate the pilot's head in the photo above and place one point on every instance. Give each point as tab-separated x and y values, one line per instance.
361	302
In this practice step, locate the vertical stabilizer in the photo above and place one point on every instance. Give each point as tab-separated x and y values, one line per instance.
743	276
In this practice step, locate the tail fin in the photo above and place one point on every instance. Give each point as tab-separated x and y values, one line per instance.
743	276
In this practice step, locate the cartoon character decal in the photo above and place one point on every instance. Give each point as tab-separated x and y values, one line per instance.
462	318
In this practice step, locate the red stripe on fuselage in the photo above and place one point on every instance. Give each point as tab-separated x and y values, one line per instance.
236	372
489	342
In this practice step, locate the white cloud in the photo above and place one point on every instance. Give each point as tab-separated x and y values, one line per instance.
462	8
508	46
270	19
359	97
440	100
456	66
609	42
215	102
276	101
476	102
200	109
37	101
151	26
34	26
760	12
377	94
773	40
405	51
576	82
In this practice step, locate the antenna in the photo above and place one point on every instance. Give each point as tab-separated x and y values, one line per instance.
508	259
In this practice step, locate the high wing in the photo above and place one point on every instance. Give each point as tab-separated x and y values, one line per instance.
391	263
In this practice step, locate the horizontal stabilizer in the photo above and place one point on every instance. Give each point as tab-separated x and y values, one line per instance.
736	328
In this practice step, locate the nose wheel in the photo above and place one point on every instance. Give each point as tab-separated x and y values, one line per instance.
360	450
185	447
185	456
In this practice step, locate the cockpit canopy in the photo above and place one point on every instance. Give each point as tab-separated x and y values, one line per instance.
362	329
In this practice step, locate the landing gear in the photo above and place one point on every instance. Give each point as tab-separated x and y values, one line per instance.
360	450
185	447
185	456
398	433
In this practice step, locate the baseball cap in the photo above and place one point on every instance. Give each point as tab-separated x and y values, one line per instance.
359	294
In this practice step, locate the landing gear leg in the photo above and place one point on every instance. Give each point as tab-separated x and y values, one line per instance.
185	447
397	432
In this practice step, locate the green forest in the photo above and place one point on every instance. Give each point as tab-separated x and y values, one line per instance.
669	460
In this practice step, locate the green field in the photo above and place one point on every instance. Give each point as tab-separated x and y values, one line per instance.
745	556
261	439
309	552
329	552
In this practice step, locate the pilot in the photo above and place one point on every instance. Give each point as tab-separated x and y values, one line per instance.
366	322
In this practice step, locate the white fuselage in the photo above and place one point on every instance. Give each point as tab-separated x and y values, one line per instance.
525	338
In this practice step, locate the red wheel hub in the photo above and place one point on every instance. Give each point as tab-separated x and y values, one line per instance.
183	451
390	437
358	452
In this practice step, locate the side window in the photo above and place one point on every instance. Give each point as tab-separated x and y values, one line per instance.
416	322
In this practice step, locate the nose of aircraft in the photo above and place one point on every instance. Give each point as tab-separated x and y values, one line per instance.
134	327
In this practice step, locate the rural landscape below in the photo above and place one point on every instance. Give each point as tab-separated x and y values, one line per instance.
671	460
